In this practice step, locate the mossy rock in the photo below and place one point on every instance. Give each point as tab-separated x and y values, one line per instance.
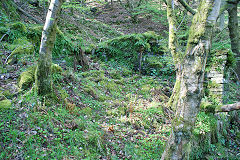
126	48
27	78
4	102
126	72
103	98
63	94
122	110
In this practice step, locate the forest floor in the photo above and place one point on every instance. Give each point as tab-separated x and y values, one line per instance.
108	112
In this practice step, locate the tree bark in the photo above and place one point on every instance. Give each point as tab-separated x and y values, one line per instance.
228	107
187	7
190	76
234	30
43	72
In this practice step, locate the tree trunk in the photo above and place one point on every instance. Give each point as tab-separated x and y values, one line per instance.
80	59
190	76
234	30
43	72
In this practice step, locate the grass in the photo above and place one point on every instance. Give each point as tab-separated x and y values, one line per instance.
108	112
95	127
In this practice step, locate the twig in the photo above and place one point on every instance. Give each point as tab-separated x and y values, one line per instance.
3	37
181	23
10	55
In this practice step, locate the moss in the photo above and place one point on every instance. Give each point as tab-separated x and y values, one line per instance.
115	74
56	68
94	75
175	96
197	29
103	98
145	89
154	62
90	90
34	34
8	94
27	78
126	72
90	49
213	84
20	46
5	104
110	86
63	94
26	48
207	107
18	26
231	60
122	110
87	111
125	49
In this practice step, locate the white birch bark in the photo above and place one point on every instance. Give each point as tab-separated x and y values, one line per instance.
43	72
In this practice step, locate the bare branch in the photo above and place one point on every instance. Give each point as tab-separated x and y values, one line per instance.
187	7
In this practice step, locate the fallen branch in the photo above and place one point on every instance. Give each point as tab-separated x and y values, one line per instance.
228	107
26	14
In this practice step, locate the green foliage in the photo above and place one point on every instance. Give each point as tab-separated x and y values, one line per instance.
91	31
8	12
126	50
27	77
32	33
5	104
205	125
152	9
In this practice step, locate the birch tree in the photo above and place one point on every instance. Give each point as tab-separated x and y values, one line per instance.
43	72
188	90
234	30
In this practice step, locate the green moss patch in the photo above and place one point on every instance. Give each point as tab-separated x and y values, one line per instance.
27	77
129	49
5	104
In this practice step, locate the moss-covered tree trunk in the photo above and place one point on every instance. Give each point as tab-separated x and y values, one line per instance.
43	72
190	76
234	30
